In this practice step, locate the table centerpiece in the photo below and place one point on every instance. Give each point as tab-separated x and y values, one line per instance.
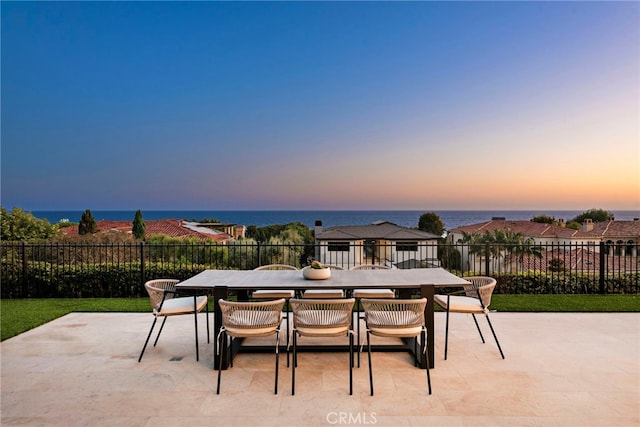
316	271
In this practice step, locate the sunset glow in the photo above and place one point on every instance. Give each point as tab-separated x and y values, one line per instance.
296	105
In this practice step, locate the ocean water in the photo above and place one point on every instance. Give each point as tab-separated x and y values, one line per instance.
405	218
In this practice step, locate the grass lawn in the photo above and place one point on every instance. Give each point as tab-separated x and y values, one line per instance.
20	315
566	303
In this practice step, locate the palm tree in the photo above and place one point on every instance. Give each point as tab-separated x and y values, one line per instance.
528	249
476	248
499	244
517	247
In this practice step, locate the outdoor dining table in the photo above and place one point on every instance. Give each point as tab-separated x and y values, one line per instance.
219	283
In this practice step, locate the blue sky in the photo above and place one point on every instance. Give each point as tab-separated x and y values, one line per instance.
320	105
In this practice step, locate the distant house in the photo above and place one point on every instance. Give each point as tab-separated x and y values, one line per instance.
583	245
235	230
168	227
382	243
615	233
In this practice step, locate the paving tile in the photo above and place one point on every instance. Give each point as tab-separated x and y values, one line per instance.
569	369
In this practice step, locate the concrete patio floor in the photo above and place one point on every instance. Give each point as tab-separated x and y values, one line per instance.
560	370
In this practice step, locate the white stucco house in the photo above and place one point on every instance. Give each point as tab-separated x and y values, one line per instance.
381	242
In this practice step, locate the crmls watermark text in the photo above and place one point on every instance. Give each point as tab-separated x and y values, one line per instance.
362	418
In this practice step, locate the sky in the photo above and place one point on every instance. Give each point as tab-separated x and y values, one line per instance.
320	105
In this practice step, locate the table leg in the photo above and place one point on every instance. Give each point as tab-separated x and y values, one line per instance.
195	321
219	292
242	295
428	292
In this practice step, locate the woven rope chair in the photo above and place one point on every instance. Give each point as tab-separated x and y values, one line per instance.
162	296
247	320
358	294
474	299
270	294
325	293
322	318
396	318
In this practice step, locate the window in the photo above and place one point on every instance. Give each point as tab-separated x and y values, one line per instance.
407	246
369	248
630	248
338	246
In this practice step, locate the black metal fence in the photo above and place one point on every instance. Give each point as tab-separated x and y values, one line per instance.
30	270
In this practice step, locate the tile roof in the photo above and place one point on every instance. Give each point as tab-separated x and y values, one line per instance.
580	259
613	230
376	231
168	227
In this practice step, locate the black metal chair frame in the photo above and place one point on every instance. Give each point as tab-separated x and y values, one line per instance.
287	307
486	313
155	319
423	345
222	345
295	344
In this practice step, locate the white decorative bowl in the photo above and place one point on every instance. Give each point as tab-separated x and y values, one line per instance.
316	273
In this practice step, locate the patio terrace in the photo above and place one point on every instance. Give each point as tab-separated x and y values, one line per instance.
560	370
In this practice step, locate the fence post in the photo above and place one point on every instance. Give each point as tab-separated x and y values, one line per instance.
259	256
24	270
602	267
142	269
486	259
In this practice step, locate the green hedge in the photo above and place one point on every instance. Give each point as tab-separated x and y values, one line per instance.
514	284
125	280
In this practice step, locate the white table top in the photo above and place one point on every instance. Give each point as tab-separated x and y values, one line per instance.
340	279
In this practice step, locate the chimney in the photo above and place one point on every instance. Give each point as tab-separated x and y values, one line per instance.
498	218
561	222
587	225
317	230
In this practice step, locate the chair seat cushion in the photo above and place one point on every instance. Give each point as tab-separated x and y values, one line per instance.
399	332
459	304
328	331
373	293
182	305
250	332
323	293
273	293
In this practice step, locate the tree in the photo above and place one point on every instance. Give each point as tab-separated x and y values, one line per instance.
138	229
431	223
87	224
544	219
19	225
501	243
596	215
574	225
476	247
518	248
263	234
